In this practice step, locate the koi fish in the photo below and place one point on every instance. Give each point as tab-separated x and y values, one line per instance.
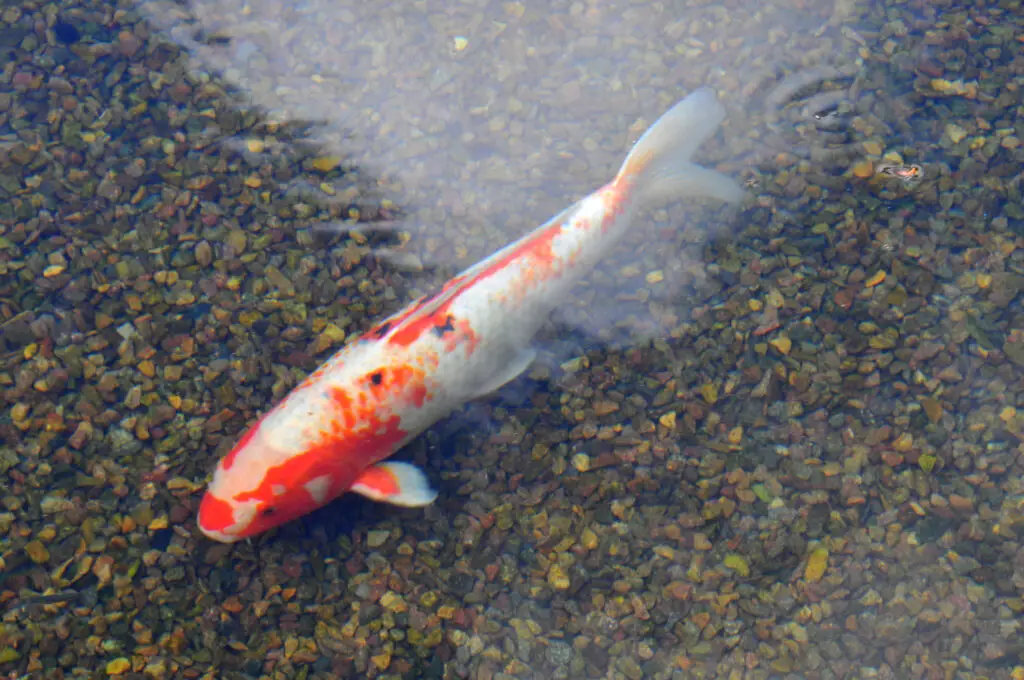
333	432
908	174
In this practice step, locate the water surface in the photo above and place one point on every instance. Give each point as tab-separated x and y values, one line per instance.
778	440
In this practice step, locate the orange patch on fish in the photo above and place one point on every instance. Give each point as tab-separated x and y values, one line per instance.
344	403
380	480
401	381
614	198
464	333
535	253
230	458
339	457
215	514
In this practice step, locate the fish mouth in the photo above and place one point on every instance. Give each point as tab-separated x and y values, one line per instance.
217	519
219	536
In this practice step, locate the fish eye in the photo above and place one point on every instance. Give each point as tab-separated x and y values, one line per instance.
376	378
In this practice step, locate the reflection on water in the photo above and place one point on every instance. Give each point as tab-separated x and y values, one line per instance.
487	119
780	441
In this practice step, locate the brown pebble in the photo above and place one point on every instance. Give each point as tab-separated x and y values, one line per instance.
930	67
216	552
701	542
679	590
81	435
932	408
22	79
961	503
204	253
179	514
37	552
128	44
892	459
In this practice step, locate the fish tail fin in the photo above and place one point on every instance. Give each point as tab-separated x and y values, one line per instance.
659	165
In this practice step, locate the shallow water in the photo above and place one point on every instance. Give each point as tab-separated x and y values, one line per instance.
777	440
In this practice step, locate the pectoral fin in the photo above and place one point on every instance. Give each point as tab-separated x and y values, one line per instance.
396	483
509	372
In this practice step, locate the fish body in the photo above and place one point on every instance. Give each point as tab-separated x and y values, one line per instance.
333	432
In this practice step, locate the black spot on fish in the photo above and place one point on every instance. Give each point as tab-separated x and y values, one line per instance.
267	512
376	378
446	327
66	33
381	330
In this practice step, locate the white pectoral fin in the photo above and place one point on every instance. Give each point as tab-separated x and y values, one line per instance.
509	372
396	483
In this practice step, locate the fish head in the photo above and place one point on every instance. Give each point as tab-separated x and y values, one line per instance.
261	484
310	449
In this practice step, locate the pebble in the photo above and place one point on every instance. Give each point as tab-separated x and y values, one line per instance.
37	552
782	344
817	563
863	169
237	240
904	443
581	462
128	44
118	666
629	668
932	408
873	148
558	579
955	132
204	253
376	538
